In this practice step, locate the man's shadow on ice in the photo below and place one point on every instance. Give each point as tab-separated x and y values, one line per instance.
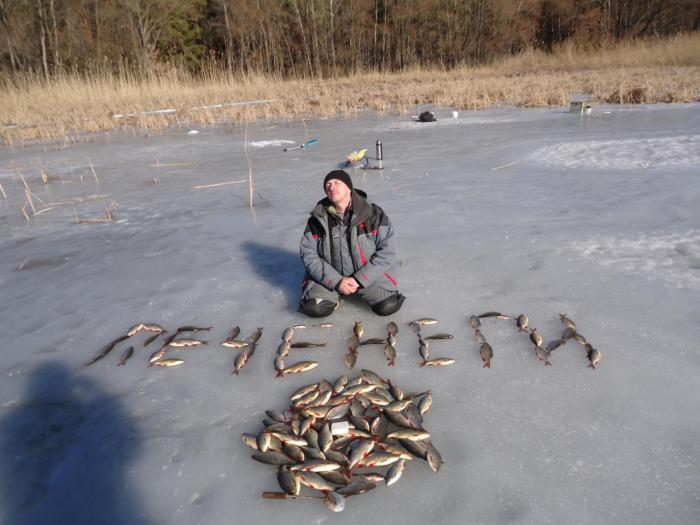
65	449
281	268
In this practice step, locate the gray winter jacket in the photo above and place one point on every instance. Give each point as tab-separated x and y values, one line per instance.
364	250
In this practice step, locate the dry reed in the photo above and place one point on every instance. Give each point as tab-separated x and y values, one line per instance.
649	71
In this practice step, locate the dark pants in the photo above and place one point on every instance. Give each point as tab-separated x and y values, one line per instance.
319	301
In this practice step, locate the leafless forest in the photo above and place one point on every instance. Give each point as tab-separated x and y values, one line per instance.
313	38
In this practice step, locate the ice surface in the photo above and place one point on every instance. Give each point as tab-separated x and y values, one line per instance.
535	211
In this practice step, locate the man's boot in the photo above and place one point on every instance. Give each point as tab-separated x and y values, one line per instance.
389	305
315	307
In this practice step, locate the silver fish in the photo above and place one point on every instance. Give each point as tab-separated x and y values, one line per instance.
125	356
474	322
499	315
235	343
350	359
339	384
433	457
157	355
234	333
543	355
150	339
276	415
294	451
303	390
567	322
409	434
263	441
272	458
169	362
567	334
535	337
189	328
358	329
377	459
186	343
239	363
356	487
288	334
394	473
396	391
288	481
594	356
425	403
325	438
102	352
279	363
298	368
553	345
134	329
440	361
315	481
251	440
152	327
334	502
370	377
424	348
390	354
522	322
486	354
306	344
441	335
423	321
373	341
398	406
392	328
316	465
479	337
256	335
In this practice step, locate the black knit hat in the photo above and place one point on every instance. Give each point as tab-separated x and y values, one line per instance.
341	176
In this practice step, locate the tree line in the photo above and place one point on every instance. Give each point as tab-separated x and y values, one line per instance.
312	37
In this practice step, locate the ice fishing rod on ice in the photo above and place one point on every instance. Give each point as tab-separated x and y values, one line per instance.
304	145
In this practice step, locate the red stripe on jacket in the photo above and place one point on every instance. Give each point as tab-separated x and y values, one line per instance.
393	281
362	255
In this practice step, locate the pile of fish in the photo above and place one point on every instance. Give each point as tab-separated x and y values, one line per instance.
543	353
424	347
287	344
355	341
344	438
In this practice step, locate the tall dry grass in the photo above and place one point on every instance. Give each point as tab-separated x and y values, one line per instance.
648	71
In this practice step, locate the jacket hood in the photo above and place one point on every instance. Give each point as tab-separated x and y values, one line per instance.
361	209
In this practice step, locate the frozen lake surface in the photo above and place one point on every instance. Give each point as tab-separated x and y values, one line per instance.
534	211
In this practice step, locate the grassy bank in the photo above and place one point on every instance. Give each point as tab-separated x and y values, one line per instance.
635	72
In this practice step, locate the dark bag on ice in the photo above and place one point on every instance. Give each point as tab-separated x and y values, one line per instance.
427	116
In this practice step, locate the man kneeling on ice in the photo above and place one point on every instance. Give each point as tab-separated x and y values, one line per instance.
347	248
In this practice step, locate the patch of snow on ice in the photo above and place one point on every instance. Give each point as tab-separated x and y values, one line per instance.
265	143
673	258
664	152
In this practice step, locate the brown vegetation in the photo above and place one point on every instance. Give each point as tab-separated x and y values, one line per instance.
645	71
